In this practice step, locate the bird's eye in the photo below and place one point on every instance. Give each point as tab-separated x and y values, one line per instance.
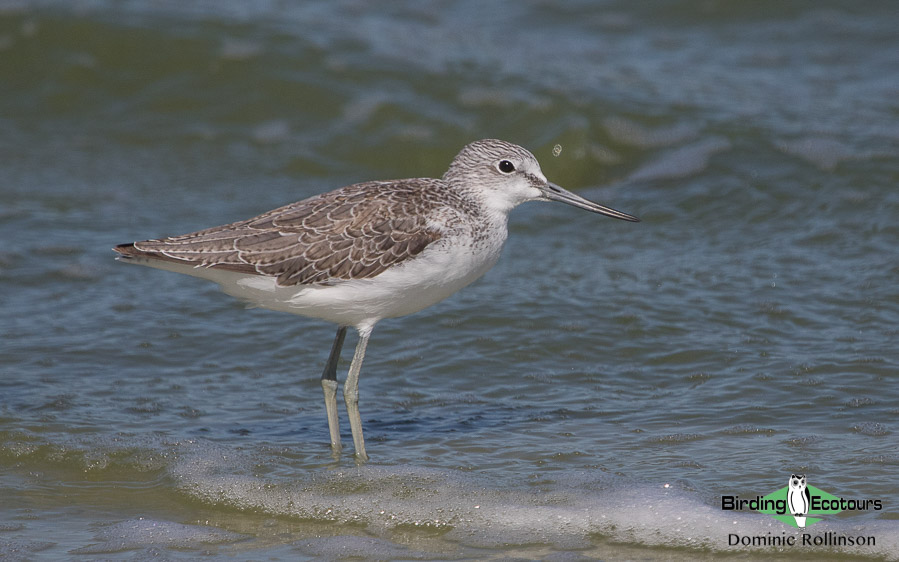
505	167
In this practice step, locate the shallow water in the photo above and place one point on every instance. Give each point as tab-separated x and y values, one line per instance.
593	396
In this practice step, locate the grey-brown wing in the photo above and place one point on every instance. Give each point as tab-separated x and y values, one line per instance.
355	232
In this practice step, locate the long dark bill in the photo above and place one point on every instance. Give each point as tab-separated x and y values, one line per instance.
555	193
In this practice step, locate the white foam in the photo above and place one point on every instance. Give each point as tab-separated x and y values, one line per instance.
571	511
144	533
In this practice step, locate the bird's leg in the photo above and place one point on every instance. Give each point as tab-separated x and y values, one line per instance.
351	394
329	385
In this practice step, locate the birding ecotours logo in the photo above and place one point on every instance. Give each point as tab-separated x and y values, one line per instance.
798	504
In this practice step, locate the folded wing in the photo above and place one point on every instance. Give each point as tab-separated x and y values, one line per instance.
355	232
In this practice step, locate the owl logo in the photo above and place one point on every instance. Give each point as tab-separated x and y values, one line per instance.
798	498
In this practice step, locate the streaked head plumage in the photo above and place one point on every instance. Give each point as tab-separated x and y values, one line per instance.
506	175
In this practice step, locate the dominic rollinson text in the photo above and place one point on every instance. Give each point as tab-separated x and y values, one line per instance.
828	538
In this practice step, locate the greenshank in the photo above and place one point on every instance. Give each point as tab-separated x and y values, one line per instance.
368	251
